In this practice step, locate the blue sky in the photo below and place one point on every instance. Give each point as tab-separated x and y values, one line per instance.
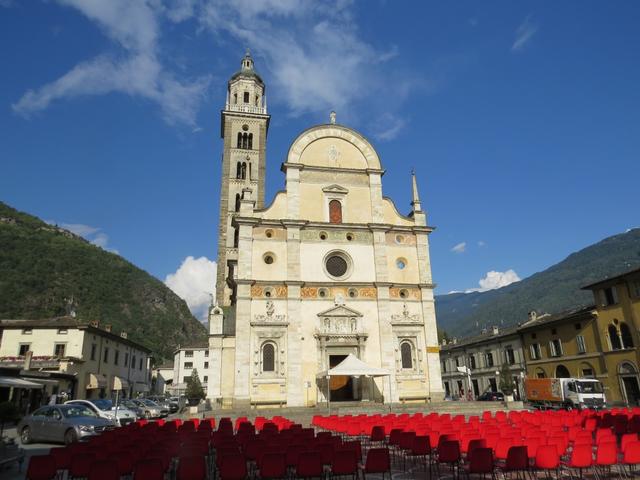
522	119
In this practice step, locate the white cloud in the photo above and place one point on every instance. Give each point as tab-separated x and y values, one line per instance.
388	127
482	243
459	248
493	280
194	282
94	235
524	33
133	26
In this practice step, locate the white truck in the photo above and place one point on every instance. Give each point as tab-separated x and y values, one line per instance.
569	393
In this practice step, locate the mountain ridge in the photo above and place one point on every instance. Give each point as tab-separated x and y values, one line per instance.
555	289
43	265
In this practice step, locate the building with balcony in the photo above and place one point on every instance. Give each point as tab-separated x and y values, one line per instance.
82	359
484	356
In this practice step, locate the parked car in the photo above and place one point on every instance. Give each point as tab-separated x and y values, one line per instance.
151	409
133	406
62	423
491	397
104	408
164	402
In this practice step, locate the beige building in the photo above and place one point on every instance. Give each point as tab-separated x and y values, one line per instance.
96	361
328	268
484	356
185	361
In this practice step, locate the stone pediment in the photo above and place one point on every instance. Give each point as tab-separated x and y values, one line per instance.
340	311
335	189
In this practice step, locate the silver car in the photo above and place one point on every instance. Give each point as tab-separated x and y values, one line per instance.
150	409
61	423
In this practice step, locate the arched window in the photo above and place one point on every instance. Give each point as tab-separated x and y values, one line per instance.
268	358
236	237
239	139
335	211
626	337
562	372
614	338
245	141
238	170
246	97
244	170
257	100
237	202
250	141
235	98
406	354
540	373
249	171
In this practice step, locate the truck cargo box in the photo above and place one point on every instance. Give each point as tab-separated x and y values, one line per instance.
543	389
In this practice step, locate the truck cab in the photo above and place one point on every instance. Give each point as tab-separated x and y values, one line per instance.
583	393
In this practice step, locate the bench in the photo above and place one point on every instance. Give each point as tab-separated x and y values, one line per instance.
411	398
255	403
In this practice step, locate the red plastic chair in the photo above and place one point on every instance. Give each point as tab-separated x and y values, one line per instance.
606	457
377	461
192	468
149	469
581	458
344	463
62	458
81	465
547	459
480	462
631	457
377	435
421	449
449	453
103	470
41	467
309	465
517	461
273	465
234	467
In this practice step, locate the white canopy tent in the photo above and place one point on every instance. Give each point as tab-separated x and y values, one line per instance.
352	366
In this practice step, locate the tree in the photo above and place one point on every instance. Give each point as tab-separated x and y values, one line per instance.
507	386
194	387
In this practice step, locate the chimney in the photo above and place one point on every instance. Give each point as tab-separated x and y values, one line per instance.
95	323
496	330
123	334
454	340
107	327
533	315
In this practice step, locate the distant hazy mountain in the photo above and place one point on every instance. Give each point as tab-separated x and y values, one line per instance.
555	289
42	265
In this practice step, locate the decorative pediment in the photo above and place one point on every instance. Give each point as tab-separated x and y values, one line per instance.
335	189
340	311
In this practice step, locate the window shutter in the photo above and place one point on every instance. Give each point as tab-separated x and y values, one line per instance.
552	349
560	347
614	294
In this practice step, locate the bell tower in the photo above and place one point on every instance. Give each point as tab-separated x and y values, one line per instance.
243	128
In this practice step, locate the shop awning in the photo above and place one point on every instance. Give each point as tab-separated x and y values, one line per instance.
16	382
119	383
96	380
354	367
141	387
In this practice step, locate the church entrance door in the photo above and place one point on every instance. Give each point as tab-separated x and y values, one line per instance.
341	386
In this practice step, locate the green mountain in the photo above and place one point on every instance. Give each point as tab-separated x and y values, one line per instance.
552	290
41	266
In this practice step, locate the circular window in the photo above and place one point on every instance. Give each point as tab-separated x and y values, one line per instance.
336	265
245	127
401	263
399	239
404	293
323	292
269	233
268	258
349	236
353	293
323	235
267	292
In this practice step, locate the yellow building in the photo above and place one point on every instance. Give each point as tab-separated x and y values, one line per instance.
563	345
618	306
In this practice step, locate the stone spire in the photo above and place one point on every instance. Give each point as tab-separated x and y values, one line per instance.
415	202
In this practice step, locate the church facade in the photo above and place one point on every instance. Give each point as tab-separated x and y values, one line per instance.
328	268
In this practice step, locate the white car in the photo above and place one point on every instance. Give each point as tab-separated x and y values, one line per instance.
105	409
